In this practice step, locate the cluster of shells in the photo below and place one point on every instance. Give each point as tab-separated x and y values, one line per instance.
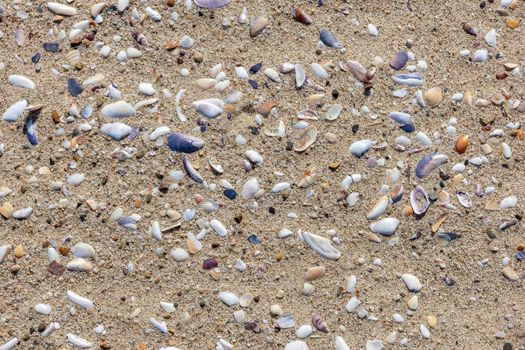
428	175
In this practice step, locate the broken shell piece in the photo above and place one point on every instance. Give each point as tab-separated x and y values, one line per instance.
334	112
419	200
119	109
385	227
307	139
464	199
430	163
321	245
378	209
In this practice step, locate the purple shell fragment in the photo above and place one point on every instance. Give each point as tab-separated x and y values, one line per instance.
178	142
429	164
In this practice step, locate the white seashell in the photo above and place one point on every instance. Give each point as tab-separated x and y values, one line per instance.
360	147
281	187
21	81
10	344
234	97
340	344
78	342
119	109
160	326
300	76
116	131
378	209
215	70
284	233
146	102
272	74
179	254
206	83
147	89
4	250
319	71
23	213
207	108
75	179
93	80
122	5
351	284
480	56
168	307
178	97
385	227
61	9
104	51
43	309
304	331
491	38
241	73
80	301
83	250
240	265
352	304
508	202
287	67
507	151
96	9
423	139
296	345
412	282
158	132
186	42
79	265
250	188
228	298
14	111
155	231
218	227
74	33
374	345
254	157
154	15
372	30
425	333
223	344
333	112
352	199
321	245
52	255
222	85
132	52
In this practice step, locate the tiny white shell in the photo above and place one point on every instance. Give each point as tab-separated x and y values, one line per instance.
79	300
21	81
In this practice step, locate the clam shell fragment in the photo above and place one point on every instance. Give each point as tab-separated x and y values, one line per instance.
321	245
307	139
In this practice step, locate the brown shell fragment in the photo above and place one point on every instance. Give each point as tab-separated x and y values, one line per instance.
319	323
469	29
301	16
437	223
306	140
257	25
266	108
461	144
171	45
55	268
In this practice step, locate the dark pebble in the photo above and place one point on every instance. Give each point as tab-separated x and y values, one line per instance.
230	193
507	346
51	47
449	281
355	128
36	57
256	68
253	239
74	87
210	263
254	84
